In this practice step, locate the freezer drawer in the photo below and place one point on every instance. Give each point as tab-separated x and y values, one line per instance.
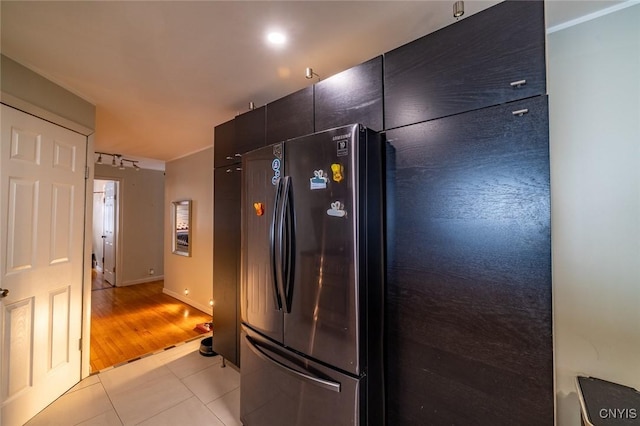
278	388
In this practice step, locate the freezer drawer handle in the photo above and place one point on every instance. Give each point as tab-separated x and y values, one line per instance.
325	384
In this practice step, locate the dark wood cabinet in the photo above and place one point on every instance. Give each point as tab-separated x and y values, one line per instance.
291	116
492	57
224	144
352	96
250	130
468	304
226	262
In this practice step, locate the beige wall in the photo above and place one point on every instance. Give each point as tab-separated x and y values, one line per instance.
594	94
191	178
141	225
22	84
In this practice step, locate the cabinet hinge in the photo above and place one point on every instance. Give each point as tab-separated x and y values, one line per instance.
86	172
80	344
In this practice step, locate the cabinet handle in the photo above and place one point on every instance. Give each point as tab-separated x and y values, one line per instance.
229	157
237	155
238	169
520	112
229	170
517	84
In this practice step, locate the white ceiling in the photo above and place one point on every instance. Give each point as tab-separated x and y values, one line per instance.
162	74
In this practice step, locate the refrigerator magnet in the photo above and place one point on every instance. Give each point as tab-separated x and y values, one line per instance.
259	207
275	166
337	210
338	172
319	180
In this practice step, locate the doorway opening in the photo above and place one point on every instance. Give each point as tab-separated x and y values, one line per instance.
105	233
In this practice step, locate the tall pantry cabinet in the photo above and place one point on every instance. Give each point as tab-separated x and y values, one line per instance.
468	300
232	139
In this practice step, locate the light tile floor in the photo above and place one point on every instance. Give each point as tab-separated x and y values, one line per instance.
177	386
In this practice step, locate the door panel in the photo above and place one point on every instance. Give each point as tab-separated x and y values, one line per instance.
61	222
260	307
272	394
468	293
290	116
109	229
491	57
18	330
226	262
41	220
250	131
224	151
22	224
352	96
323	319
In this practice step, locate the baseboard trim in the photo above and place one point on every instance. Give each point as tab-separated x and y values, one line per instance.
180	297
142	280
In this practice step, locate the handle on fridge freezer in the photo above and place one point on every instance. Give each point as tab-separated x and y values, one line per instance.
280	259
307	377
288	248
273	243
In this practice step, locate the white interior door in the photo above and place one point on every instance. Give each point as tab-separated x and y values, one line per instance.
109	231
42	196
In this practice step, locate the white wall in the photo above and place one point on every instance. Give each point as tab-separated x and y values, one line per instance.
594	95
191	178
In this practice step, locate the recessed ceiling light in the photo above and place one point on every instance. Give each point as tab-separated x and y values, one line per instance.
276	38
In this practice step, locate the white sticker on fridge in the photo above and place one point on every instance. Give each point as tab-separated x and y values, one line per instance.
319	180
337	210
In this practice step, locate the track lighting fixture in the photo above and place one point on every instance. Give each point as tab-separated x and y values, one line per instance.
118	161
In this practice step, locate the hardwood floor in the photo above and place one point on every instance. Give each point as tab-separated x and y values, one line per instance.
128	322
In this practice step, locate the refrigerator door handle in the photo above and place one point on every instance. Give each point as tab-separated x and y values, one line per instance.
317	381
288	247
279	260
272	246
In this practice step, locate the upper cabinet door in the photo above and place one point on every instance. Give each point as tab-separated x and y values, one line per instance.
250	130
224	152
291	116
492	57
352	96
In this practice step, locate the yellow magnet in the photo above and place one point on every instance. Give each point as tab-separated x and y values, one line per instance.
259	208
338	172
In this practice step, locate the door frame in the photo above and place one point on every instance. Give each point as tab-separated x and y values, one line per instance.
88	244
119	185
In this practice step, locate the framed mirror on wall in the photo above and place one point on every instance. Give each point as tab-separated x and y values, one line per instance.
181	227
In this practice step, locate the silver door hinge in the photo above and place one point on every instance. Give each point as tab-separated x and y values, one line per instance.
86	172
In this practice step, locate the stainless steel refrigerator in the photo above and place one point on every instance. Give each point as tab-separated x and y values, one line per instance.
312	276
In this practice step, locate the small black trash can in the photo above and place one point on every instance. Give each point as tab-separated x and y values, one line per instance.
206	347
